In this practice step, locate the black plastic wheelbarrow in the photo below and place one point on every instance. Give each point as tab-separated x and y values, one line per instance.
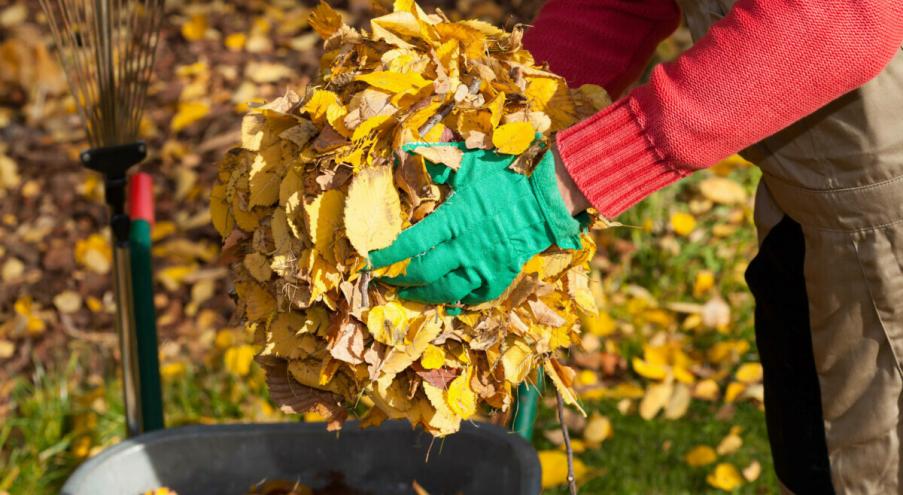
229	459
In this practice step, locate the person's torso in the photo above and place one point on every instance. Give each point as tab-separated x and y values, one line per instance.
853	141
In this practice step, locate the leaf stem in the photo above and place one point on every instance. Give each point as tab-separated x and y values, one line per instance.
572	480
443	112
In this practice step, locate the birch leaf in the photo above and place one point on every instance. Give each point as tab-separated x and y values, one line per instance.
513	138
372	210
450	156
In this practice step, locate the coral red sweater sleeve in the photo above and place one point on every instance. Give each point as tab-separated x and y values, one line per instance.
604	42
765	65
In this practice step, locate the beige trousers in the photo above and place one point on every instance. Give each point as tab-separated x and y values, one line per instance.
839	174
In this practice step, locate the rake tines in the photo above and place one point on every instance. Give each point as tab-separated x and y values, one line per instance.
106	48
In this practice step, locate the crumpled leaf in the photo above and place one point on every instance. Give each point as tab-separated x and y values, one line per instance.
292	397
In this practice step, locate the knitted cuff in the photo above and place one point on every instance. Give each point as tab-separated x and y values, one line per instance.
613	160
565	228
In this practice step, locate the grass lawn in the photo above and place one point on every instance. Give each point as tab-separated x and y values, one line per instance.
647	457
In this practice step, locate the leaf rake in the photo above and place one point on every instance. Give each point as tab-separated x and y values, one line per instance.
107	50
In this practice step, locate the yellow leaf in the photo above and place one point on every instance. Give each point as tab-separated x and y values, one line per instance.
555	468
395	82
701	455
370	126
729	350
171	371
264	178
730	444
516	362
725	477
704	281
496	109
67	302
245	217
236	41
749	373
7	349
324	276
94	253
679	402
267	72
733	162
238	359
433	358
258	266
450	156
219	210
94	304
188	113
722	190
13	15
172	276
706	390
388	323
9	173
372	210
657	396
648	370
752	472
323	217
683	223
397	361
600	324
284	338
195	27
594	96
442	421
324	20
597	430
587	377
260	303
551	97
461	399
318	104
513	138
734	389
472	40
563	379
29	312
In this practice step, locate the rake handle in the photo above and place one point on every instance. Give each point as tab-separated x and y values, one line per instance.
114	162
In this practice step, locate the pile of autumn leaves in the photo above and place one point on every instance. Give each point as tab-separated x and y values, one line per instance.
314	187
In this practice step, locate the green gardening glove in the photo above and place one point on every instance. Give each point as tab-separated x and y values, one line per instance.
473	246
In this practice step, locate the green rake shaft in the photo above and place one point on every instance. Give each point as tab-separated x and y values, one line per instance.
141	212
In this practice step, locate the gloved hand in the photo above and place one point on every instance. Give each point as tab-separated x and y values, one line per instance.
473	246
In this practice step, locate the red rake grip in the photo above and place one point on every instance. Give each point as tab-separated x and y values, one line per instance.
141	197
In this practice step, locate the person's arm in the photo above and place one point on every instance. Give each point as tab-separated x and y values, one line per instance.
767	64
604	42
